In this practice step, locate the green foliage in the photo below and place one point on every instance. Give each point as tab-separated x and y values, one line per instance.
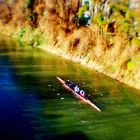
123	16
38	41
81	13
131	65
99	19
86	6
30	17
113	68
82	10
136	41
22	32
126	27
31	42
25	31
29	4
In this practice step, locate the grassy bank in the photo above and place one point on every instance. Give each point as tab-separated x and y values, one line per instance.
91	49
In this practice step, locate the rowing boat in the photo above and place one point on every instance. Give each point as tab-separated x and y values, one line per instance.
87	101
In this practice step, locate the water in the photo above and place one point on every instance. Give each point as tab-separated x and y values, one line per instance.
34	106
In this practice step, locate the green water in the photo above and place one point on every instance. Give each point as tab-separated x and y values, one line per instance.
33	96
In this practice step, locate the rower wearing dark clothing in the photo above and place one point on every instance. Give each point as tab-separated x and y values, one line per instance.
70	84
67	82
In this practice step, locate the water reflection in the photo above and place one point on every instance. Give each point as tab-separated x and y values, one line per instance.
32	98
12	123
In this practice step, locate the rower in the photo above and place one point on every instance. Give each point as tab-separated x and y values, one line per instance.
70	84
82	93
76	89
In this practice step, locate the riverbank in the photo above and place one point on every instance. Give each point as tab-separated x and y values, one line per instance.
34	105
87	47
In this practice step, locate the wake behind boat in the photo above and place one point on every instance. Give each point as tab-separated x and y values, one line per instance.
87	101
